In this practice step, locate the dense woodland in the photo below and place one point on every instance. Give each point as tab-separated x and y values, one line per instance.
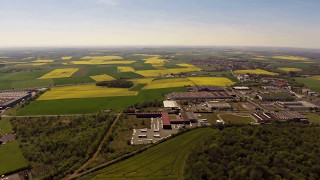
264	152
57	146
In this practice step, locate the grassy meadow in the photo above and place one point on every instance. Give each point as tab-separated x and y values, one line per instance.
313	84
5	126
11	158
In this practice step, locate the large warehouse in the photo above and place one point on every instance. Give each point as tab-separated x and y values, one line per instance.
170	105
11	98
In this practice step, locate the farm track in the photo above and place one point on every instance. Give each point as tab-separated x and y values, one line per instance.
89	161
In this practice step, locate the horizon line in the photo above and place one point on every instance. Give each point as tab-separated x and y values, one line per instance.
154	46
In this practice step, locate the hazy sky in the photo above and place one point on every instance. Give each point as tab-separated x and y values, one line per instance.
291	23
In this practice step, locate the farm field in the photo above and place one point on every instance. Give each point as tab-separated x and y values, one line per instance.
170	82
142	80
313	84
161	72
93	105
290	69
101	62
11	158
125	69
18	80
59	73
236	119
84	91
102	77
293	58
155	61
102	58
255	71
216	81
164	161
43	61
314	118
315	77
66	57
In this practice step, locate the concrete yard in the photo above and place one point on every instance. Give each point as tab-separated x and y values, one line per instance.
155	133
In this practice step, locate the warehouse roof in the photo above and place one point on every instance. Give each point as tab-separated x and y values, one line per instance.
170	104
165	119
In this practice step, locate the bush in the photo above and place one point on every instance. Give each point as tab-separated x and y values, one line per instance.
121	83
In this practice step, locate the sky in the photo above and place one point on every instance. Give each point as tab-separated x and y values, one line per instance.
283	23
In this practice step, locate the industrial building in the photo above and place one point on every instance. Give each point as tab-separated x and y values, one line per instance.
280	96
11	98
149	115
216	105
166	124
189	117
171	105
198	95
298	105
290	116
262	117
241	88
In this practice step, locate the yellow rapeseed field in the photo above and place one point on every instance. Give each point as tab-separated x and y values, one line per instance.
255	71
59	73
36	64
141	81
215	81
167	83
102	77
316	77
259	58
43	61
66	57
85	91
102	58
154	55
290	69
293	58
102	62
156	61
163	71
125	69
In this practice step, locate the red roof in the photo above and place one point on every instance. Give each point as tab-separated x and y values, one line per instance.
165	119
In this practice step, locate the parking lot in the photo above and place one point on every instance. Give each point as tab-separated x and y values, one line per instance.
152	134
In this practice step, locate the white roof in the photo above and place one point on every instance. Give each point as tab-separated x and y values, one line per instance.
170	104
240	87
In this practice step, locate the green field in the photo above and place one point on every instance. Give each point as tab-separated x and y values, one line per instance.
5	126
11	158
314	118
92	105
313	84
164	161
